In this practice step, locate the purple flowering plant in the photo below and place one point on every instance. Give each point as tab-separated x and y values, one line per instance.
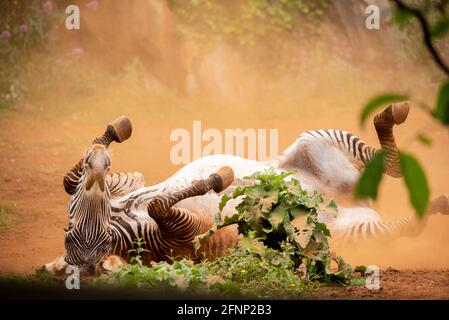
24	27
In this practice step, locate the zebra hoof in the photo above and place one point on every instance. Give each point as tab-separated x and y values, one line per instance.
444	204
222	179
400	111
122	128
439	205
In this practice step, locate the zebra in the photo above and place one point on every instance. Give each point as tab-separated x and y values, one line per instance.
95	231
168	216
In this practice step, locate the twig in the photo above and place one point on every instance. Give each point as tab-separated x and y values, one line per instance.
426	33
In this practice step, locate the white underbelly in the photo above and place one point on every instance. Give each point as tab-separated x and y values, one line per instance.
208	204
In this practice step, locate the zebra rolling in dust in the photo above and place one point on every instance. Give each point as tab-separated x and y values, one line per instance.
107	212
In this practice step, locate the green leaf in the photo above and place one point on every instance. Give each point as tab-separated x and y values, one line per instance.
268	201
378	102
322	228
332	205
442	109
303	236
229	220
277	216
368	183
424	139
440	28
224	199
199	239
416	182
360	269
298	212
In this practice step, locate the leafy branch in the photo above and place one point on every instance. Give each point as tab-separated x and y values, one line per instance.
275	211
414	176
438	30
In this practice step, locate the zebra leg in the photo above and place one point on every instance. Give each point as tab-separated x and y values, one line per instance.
410	226
395	114
439	205
119	130
179	223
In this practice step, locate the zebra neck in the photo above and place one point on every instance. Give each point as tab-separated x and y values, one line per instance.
90	209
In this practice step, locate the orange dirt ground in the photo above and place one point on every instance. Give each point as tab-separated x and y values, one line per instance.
37	148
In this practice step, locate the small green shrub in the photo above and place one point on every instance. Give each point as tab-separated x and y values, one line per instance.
255	271
279	211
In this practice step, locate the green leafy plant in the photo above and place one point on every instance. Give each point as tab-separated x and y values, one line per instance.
250	269
276	210
137	251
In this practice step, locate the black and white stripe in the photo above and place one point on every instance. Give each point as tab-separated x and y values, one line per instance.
345	141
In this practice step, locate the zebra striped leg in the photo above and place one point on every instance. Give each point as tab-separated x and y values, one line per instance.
393	115
176	222
119	130
409	226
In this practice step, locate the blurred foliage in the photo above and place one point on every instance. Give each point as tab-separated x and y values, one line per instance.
433	19
245	21
441	111
416	182
30	69
368	183
256	28
378	102
24	28
249	270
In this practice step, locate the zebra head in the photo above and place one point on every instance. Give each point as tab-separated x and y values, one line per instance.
88	238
